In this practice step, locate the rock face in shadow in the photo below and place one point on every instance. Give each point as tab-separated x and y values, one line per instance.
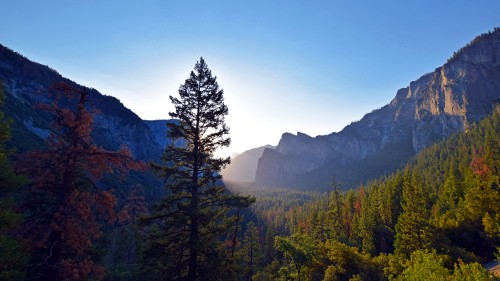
243	166
159	130
438	104
26	85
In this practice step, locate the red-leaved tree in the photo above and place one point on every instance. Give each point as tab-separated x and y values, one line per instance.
65	203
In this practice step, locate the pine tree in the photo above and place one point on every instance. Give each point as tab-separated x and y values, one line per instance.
367	226
194	214
251	251
318	225
413	230
335	213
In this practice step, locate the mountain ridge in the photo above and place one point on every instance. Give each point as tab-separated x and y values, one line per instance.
431	108
244	165
26	84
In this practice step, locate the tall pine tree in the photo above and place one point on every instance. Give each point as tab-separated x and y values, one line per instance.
413	229
193	216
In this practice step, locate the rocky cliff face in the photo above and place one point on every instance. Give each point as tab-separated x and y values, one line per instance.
26	83
243	166
159	130
450	99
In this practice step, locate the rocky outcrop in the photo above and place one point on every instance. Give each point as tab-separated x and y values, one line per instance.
26	84
244	165
438	104
159	130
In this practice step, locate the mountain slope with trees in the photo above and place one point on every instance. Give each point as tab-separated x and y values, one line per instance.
439	104
438	218
26	85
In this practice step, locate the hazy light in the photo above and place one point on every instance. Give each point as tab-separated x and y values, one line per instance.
285	66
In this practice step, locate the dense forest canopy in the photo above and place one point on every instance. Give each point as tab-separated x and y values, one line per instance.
438	215
75	207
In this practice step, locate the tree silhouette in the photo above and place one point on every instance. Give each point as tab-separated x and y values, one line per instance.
65	201
193	216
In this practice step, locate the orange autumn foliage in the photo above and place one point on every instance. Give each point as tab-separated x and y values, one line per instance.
134	207
65	200
479	165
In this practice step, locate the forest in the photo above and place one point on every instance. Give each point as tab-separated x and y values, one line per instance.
437	218
65	216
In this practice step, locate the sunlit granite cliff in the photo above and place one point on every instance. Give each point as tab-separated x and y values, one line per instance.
438	104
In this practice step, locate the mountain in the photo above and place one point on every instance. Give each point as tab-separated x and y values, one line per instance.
26	84
445	199
432	108
244	165
159	130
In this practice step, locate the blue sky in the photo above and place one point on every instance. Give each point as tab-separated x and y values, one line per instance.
285	66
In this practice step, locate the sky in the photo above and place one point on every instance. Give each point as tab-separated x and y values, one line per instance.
285	66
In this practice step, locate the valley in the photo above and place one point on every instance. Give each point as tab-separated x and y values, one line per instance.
90	191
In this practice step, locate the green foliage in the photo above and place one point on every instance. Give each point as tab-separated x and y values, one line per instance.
413	230
334	215
471	272
299	250
346	263
440	211
12	257
428	265
250	253
123	246
269	273
392	264
280	209
425	265
307	259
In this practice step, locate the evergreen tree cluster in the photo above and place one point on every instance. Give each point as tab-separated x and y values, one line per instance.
435	219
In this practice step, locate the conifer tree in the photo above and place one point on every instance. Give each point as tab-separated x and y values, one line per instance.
367	226
413	230
65	204
251	250
193	216
335	213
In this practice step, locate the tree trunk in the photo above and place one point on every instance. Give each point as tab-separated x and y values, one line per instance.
193	236
53	257
235	234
